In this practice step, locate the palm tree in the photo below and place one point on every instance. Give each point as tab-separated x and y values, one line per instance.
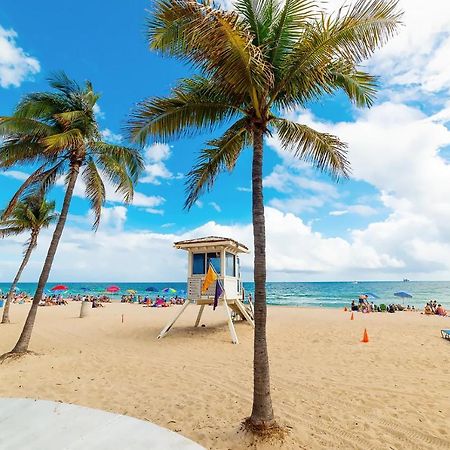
58	132
31	215
255	62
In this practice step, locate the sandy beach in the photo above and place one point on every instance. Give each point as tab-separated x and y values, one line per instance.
329	389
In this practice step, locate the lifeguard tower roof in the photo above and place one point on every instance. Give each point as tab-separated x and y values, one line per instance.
211	241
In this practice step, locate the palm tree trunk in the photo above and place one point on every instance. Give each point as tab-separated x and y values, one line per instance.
25	336
262	413
26	258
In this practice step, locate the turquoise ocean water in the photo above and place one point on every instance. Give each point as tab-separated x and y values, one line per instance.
320	294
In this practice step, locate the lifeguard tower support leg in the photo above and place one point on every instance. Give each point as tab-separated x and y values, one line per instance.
234	337
199	316
167	328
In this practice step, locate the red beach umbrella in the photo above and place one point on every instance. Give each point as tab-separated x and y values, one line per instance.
113	289
60	287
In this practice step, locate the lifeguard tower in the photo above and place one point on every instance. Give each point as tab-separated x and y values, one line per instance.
222	254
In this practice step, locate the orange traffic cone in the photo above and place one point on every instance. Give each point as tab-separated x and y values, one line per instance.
365	336
351	317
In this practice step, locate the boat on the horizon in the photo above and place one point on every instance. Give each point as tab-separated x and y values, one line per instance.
405	280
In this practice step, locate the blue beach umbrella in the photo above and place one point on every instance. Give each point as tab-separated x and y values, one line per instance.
402	294
151	289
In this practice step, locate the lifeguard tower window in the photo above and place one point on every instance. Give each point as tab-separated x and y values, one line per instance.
198	266
230	264
214	260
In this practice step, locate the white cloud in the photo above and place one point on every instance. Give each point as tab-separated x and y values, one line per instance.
199	204
156	169
294	250
156	172
360	210
338	213
157	152
114	217
110	137
215	206
303	192
15	174
244	189
99	114
15	64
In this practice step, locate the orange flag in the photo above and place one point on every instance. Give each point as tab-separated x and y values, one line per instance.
211	276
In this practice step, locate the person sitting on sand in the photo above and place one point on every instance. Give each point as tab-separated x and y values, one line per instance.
428	311
440	311
354	306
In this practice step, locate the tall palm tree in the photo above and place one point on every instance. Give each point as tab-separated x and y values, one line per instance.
254	62
58	132
30	215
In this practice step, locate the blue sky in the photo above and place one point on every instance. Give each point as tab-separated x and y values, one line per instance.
335	231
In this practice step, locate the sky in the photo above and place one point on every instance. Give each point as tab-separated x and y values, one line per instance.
389	221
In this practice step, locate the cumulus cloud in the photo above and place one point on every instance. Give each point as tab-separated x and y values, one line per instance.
155	168
15	64
294	251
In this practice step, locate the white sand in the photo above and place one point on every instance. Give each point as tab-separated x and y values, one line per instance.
332	390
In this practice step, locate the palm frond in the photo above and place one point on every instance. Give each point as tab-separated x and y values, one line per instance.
24	126
288	28
130	158
350	36
259	16
42	105
95	190
25	185
7	230
325	151
214	41
18	150
61	82
70	139
45	180
359	86
196	105
116	172
221	154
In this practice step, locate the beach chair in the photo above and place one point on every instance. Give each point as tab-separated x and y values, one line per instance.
445	334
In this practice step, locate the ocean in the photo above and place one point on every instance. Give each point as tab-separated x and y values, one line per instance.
300	294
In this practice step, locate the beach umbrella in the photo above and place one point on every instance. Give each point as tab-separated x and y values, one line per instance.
402	294
371	295
151	289
84	289
59	287
169	290
113	289
131	291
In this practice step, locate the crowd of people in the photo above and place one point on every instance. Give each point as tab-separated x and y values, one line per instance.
19	297
363	305
158	302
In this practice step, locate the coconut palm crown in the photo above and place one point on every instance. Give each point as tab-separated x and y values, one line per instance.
253	63
55	131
